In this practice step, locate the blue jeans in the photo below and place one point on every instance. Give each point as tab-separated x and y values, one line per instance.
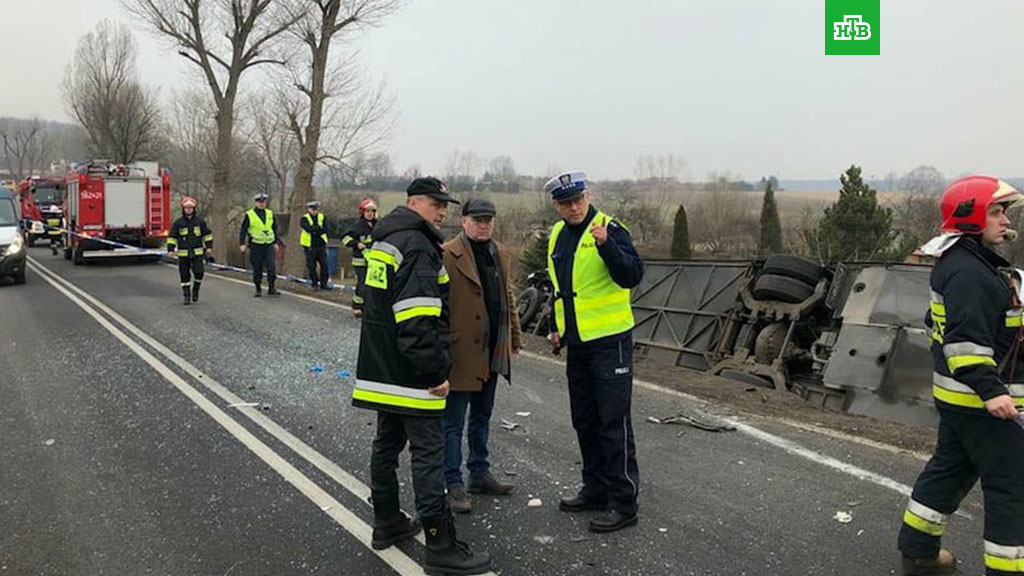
480	405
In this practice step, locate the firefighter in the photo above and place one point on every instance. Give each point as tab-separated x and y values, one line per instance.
592	265
54	226
313	240
404	362
357	237
975	319
259	236
190	240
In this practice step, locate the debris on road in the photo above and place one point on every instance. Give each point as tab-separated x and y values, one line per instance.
843	517
854	503
344	374
243	405
523	414
509	425
535	503
316	369
49	442
707	423
510	473
543	539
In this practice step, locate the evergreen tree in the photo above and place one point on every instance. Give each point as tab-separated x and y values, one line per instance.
855	227
535	257
771	227
680	236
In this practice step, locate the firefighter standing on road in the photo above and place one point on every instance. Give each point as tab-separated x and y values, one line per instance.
357	237
313	240
592	265
54	217
976	327
190	240
259	236
404	362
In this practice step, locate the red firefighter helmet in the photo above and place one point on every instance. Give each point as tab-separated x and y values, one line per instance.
965	203
367	204
188	201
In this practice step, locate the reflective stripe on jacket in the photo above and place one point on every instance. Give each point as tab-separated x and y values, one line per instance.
403	344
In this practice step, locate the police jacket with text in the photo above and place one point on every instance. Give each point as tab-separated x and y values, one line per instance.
403	345
624	266
189	237
974	320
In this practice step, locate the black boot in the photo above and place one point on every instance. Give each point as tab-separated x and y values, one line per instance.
186	295
446	554
195	291
393	532
271	291
259	290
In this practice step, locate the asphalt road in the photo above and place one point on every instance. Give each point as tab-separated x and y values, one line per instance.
143	437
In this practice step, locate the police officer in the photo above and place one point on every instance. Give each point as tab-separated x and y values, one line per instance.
357	237
592	265
190	240
404	362
976	324
313	240
54	217
259	236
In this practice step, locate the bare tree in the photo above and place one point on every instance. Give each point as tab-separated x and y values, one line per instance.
101	91
274	138
344	129
461	170
926	180
664	169
27	146
724	224
224	39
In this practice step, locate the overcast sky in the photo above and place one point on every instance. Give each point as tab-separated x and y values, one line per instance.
739	85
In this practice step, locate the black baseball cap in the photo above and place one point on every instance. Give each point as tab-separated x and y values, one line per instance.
430	186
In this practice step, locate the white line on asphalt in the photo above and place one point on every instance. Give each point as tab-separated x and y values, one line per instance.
394	557
787	445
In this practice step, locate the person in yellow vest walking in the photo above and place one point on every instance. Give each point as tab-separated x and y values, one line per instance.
313	240
259	237
592	265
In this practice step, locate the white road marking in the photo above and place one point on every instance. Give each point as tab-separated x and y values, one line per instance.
769	438
394	557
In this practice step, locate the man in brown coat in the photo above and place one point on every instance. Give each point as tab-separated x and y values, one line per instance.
484	336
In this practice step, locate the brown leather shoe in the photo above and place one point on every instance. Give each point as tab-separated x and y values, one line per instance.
459	501
943	563
489	485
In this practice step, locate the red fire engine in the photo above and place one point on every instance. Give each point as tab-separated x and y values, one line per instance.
36	196
127	206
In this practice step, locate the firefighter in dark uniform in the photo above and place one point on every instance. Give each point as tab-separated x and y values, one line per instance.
357	237
190	240
404	361
975	319
54	217
313	240
259	236
592	265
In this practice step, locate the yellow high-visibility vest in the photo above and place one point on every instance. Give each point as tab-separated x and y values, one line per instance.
601	306
305	238
259	231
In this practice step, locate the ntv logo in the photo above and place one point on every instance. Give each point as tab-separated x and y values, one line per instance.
856	20
851	28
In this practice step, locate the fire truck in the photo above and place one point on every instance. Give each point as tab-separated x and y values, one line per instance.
36	196
116	210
